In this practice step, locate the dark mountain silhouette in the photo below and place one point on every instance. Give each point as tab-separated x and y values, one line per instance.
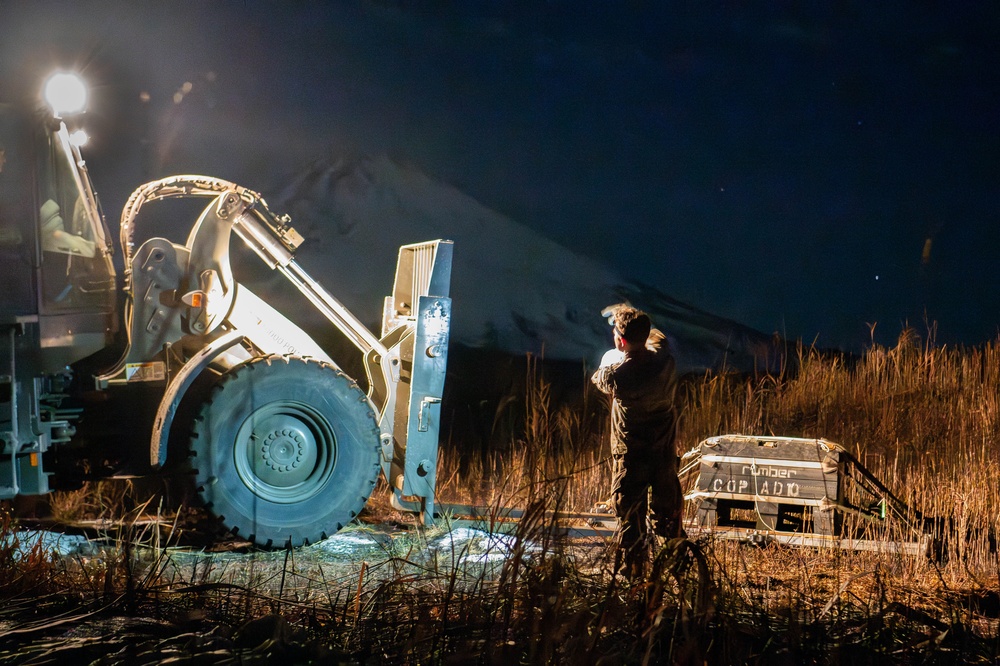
514	291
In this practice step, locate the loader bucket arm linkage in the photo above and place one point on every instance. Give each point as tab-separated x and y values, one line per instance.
405	366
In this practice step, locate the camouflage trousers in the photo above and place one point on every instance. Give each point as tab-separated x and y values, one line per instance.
647	500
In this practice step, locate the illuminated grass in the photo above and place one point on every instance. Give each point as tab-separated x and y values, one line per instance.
924	419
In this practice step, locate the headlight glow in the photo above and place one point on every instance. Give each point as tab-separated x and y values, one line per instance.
79	138
65	94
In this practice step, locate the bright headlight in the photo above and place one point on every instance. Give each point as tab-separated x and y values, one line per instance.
79	138
65	94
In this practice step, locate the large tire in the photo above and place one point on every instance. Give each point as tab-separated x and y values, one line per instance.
285	451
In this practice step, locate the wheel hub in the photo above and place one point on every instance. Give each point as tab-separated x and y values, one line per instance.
285	452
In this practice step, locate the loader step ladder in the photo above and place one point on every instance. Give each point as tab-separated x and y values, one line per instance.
797	491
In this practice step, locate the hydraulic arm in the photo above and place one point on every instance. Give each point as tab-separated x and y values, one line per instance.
405	365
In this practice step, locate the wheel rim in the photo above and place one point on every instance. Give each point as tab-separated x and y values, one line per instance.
285	452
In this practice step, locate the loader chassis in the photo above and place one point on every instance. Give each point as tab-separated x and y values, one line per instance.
280	444
57	293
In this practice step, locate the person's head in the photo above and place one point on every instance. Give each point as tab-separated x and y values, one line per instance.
631	327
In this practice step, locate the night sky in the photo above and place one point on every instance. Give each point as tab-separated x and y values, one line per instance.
800	170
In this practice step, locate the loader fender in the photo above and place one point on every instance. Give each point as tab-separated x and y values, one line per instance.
175	393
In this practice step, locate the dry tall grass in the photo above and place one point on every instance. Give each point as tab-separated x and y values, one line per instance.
551	450
922	417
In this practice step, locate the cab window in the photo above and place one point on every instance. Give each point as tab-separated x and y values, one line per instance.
76	271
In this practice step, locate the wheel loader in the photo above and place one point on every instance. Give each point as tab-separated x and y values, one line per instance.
279	444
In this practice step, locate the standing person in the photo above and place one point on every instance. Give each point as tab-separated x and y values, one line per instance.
640	381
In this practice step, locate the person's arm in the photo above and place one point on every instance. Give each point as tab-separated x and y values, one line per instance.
603	379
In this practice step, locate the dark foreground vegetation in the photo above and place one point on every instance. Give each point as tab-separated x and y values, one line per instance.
923	418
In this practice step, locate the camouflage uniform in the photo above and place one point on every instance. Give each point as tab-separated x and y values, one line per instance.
643	429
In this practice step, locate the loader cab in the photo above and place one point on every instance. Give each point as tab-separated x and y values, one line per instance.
17	228
57	270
